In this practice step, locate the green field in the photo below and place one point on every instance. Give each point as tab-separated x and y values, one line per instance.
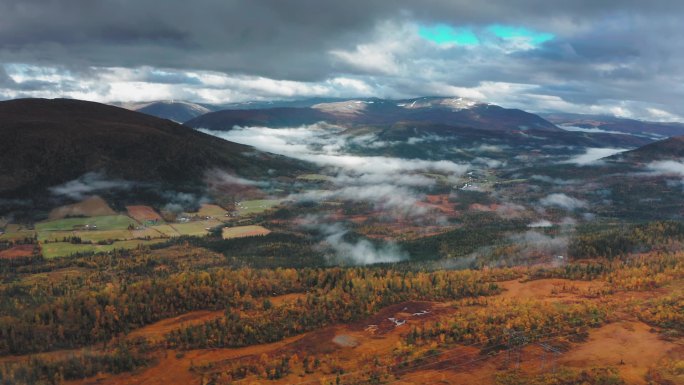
55	235
109	222
256	206
166	230
146	232
314	177
15	232
64	249
101	235
196	228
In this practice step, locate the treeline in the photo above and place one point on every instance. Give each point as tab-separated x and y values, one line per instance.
88	317
564	376
124	358
359	294
640	272
619	242
277	249
370	369
459	242
502	322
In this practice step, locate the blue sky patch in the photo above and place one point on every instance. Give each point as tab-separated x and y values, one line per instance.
445	34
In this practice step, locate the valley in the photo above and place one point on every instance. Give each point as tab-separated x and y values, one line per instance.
430	240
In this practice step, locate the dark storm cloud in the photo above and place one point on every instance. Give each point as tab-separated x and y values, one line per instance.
604	52
255	37
281	39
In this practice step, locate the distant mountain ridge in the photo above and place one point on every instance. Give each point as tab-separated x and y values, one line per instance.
616	124
177	111
181	111
435	110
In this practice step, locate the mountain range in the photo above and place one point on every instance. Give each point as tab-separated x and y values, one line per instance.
354	113
51	142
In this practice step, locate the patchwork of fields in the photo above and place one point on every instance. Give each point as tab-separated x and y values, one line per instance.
97	228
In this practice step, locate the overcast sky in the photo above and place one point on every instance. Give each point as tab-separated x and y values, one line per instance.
591	56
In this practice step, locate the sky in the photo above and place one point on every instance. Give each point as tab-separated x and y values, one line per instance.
624	58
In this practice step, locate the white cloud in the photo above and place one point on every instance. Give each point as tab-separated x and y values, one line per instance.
370	58
593	155
389	183
540	223
562	201
533	244
387	197
667	167
360	252
88	184
324	145
548	179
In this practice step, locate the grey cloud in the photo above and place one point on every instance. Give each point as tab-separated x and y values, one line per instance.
358	252
171	78
667	167
557	181
391	184
177	201
563	201
540	223
88	184
594	156
622	57
533	243
5	79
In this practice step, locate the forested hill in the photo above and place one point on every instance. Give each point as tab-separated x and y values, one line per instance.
49	142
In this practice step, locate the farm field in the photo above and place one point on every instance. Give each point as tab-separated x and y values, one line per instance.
196	228
65	249
86	236
255	206
314	177
19	251
14	232
89	207
53	233
144	214
244	231
213	211
166	230
145	232
109	222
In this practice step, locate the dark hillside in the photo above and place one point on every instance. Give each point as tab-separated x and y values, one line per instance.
48	142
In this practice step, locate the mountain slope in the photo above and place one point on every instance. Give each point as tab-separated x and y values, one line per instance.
49	142
668	149
350	113
272	117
